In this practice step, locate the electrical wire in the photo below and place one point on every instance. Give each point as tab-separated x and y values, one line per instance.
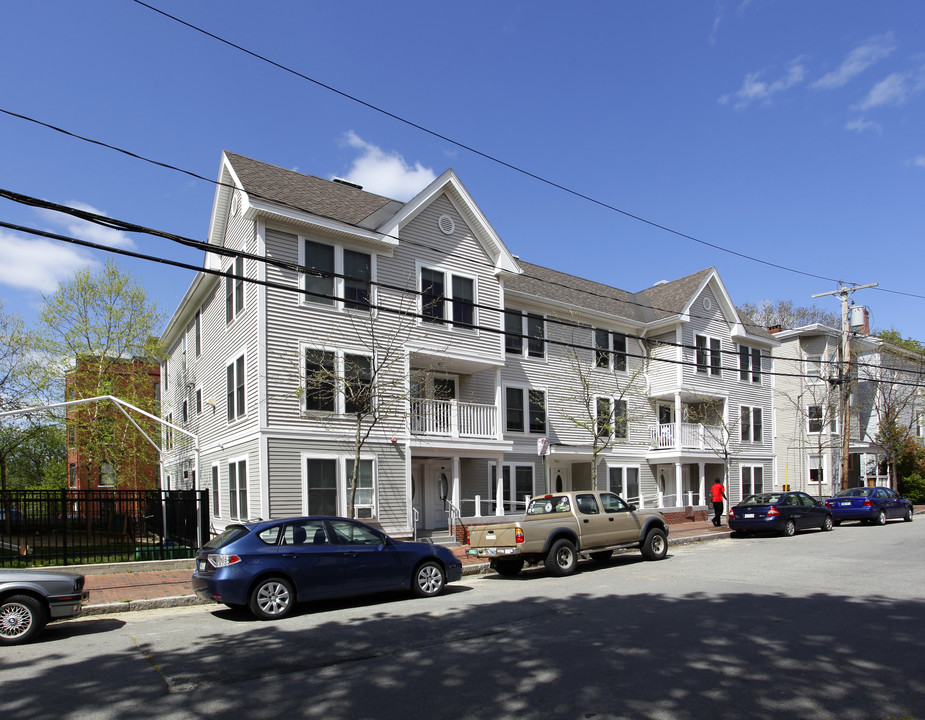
389	309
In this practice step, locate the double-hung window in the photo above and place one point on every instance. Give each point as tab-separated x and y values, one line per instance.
237	489
525	410
447	297
709	355
320	380
364	502
234	388
336	275
234	289
520	326
749	364
357	279
517	484
611	418
750	425
216	498
358	384
624	481
752	479
610	348
814	414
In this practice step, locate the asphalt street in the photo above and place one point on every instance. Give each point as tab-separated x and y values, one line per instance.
822	625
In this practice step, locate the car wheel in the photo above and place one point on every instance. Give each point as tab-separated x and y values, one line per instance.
429	579
880	519
601	555
562	559
271	599
907	517
22	618
655	546
790	529
828	523
508	568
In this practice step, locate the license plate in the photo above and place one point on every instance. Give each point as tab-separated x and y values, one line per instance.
749	515
846	504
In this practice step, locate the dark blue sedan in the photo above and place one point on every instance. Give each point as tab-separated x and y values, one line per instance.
270	566
782	512
870	505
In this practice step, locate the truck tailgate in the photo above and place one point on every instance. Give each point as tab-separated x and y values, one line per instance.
492	536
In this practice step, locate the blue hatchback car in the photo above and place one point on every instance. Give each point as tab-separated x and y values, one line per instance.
270	566
782	512
870	505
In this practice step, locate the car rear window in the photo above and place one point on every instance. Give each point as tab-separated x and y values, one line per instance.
856	492
549	504
762	499
230	534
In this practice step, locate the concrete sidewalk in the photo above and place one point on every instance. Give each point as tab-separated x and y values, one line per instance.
166	583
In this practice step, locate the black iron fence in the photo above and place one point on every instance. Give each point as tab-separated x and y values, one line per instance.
72	527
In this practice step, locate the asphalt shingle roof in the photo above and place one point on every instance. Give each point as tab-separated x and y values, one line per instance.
306	192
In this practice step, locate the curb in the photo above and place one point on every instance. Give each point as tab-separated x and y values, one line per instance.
189	600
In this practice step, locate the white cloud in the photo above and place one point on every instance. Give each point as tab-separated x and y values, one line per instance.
386	173
860	125
892	90
39	264
858	60
754	89
919	161
85	230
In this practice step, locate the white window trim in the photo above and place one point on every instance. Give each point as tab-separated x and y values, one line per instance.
525	335
235	311
340	395
247	489
511	488
611	351
751	466
614	401
339	281
526	409
216	469
340	481
232	361
750	380
624	467
751	420
709	350
448	275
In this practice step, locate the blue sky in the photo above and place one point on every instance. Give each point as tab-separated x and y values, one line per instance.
791	132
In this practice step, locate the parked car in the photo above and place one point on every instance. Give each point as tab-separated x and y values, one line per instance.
31	598
869	505
270	566
782	512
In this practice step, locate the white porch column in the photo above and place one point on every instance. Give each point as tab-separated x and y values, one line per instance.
678	484
677	426
499	485
456	492
701	489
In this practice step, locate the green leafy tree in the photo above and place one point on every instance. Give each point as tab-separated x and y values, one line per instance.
99	339
894	337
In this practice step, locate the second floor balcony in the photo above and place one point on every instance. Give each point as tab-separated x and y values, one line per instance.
454	419
692	436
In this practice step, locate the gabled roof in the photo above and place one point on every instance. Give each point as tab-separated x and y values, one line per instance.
307	193
665	301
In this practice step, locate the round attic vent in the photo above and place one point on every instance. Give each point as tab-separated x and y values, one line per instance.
707	304
446	224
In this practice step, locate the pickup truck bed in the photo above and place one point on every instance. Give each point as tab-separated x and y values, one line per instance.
558	528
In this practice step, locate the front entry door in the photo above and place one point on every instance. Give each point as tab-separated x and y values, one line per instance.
425	494
560	480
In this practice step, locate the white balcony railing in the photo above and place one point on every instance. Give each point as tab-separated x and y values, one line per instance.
694	436
451	418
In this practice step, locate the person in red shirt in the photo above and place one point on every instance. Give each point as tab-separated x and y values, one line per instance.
718	493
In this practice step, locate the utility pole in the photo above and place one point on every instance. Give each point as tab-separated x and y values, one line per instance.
844	378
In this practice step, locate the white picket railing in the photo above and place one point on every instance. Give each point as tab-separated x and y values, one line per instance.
451	418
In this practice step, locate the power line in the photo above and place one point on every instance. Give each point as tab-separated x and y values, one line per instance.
398	311
475	151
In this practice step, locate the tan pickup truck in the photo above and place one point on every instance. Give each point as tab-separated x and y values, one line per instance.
558	528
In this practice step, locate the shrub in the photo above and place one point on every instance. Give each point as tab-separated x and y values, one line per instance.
912	487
